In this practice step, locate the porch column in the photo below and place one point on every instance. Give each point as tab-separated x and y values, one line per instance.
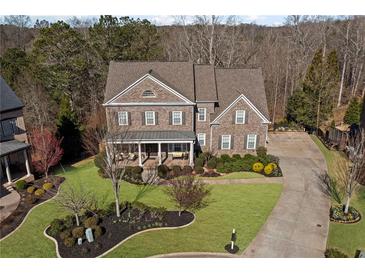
26	161
7	169
159	154
191	154
139	155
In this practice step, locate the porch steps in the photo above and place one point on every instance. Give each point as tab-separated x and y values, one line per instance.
9	188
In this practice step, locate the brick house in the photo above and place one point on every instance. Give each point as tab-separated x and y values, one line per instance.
164	109
14	146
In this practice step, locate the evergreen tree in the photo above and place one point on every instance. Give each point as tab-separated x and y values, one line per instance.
12	63
313	104
353	112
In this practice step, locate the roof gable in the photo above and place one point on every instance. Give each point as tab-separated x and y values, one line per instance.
248	102
8	98
133	94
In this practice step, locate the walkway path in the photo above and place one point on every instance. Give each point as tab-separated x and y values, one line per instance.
8	204
298	225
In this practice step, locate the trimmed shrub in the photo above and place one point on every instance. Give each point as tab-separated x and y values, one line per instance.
30	199
334	253
20	185
187	170
78	232
56	227
69	221
65	234
91	221
39	193
236	157
133	174
163	171
31	189
199	162
199	170
268	169
269	159
69	241
47	186
261	151
212	163
175	171
99	163
98	231
226	158
219	164
258	167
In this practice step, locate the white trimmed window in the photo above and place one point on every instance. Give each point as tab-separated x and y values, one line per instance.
202	113
150	118
123	118
251	141
148	93
201	139
240	116
226	142
177	117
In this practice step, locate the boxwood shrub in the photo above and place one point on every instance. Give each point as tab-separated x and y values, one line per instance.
20	185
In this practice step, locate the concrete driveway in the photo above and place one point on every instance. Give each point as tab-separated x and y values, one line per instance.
298	225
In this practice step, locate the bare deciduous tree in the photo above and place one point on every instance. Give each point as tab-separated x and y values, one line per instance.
76	201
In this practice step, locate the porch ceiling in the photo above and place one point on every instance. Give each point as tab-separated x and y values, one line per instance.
154	136
12	146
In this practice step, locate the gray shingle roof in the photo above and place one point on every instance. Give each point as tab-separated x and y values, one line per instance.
11	146
195	82
170	135
8	99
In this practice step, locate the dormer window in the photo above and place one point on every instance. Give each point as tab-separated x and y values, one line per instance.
148	93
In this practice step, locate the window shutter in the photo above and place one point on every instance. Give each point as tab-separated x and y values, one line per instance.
257	140
232	142
246	117
220	142
245	142
117	118
234	118
170	117
143	119
129	118
156	118
183	118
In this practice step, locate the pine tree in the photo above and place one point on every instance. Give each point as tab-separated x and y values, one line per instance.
353	112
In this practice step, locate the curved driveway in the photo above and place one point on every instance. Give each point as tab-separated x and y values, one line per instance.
298	225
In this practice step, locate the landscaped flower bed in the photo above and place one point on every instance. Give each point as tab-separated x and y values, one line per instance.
31	194
109	230
337	215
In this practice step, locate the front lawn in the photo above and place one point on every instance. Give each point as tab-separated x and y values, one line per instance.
244	207
346	237
237	175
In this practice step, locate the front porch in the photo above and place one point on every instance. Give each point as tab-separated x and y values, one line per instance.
155	148
14	162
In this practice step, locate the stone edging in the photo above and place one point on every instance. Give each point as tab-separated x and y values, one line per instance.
26	216
195	254
123	241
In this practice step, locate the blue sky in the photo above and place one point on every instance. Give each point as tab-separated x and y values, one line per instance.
269	20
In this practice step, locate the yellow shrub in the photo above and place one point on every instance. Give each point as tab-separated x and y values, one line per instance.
39	192
274	166
30	189
258	167
268	169
47	186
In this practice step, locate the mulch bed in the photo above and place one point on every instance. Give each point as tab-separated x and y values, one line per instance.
117	232
15	219
337	215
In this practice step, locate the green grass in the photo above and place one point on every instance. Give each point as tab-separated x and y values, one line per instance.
237	175
244	207
346	237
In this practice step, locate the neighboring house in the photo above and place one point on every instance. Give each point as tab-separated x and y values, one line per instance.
163	108
14	146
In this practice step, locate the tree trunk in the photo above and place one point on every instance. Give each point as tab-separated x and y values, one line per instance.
275	99
179	212
77	219
318	111
346	211
342	80
117	209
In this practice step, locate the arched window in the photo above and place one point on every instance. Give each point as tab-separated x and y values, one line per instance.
148	93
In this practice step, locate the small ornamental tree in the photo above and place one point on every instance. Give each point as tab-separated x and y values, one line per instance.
188	193
46	150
